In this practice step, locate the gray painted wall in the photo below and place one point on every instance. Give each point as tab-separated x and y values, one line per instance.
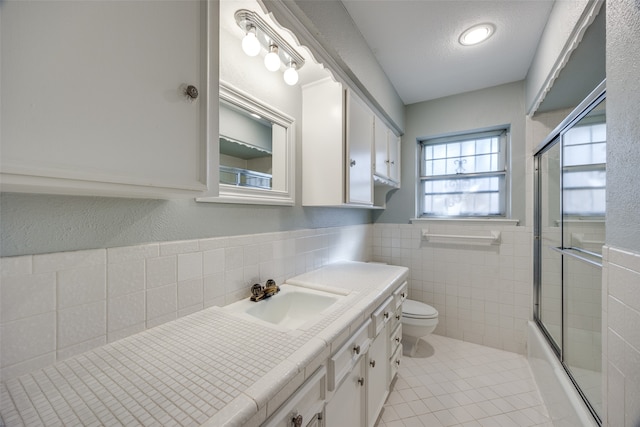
500	105
34	223
623	124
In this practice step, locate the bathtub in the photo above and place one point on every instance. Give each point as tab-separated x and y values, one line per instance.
565	406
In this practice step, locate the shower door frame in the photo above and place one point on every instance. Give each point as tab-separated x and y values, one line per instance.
555	137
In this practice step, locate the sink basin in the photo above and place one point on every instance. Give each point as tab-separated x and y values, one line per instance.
290	308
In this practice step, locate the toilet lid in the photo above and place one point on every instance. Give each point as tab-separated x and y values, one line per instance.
418	310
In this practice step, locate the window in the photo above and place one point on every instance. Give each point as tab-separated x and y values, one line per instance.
584	163
464	175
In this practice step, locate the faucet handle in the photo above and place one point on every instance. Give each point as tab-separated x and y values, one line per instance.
256	289
270	283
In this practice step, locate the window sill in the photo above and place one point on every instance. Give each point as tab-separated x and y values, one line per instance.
493	221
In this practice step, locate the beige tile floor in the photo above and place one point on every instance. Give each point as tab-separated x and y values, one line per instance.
456	383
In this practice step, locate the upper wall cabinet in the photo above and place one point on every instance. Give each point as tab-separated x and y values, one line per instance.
386	176
387	149
109	98
337	147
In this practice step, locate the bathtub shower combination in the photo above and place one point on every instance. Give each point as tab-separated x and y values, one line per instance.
569	234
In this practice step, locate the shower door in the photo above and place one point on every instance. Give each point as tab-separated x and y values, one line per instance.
569	234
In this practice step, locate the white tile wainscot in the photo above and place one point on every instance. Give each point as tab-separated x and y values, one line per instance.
621	336
210	368
70	302
482	292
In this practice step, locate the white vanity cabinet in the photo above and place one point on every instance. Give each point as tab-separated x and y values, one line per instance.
346	379
337	147
377	377
305	408
362	370
108	98
346	408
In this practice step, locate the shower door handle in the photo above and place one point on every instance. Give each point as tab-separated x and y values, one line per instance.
567	251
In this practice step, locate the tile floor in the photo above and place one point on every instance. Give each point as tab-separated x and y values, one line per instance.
456	383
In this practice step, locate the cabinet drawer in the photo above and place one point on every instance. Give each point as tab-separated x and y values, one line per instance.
400	294
341	363
381	316
395	339
394	362
396	318
307	402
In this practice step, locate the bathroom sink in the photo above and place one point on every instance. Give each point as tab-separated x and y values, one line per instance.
290	308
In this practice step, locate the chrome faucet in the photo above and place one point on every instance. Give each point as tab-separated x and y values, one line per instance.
259	292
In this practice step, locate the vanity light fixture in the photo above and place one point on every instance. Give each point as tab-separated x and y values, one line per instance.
290	74
250	44
259	34
477	34
272	59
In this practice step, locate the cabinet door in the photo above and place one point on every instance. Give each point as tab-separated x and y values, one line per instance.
380	142
394	156
377	376
359	151
346	408
323	161
93	96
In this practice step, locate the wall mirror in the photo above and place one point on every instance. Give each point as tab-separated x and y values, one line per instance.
256	151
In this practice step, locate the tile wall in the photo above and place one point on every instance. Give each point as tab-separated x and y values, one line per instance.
482	292
621	337
70	302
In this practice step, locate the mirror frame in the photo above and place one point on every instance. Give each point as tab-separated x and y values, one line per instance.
258	196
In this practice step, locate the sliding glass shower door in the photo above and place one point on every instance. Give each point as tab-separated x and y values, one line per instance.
569	234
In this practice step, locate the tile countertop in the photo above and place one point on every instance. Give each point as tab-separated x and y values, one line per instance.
210	368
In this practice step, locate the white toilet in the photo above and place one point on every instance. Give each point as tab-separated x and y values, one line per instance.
418	320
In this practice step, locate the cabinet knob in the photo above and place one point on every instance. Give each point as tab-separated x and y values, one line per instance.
352	163
397	317
191	92
361	381
398	362
398	340
297	421
372	363
386	315
356	349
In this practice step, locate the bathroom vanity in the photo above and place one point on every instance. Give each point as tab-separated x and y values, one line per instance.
224	367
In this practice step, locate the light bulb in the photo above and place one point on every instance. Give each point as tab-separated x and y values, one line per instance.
272	60
250	43
291	75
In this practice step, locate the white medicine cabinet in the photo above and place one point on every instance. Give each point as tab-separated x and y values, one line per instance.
257	151
350	158
337	144
108	98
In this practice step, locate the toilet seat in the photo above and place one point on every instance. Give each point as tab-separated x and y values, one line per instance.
418	310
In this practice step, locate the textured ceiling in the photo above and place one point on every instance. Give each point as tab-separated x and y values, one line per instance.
416	42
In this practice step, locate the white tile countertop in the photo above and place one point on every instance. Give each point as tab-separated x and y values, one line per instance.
210	368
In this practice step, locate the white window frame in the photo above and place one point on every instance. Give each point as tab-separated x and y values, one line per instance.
585	167
503	132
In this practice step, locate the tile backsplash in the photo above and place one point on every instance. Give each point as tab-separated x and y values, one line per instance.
69	302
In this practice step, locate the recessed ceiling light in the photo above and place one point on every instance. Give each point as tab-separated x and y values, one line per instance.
477	34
